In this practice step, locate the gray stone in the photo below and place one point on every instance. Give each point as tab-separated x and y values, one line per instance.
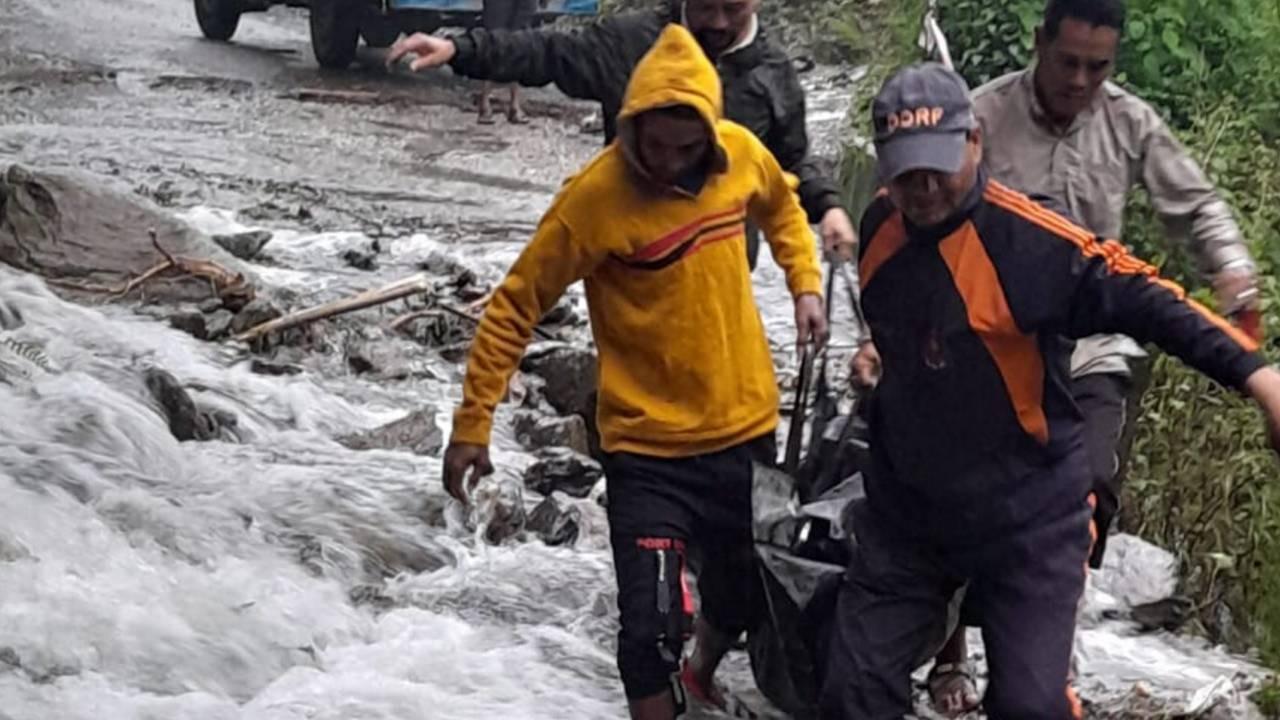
536	431
554	523
217	324
191	322
245	245
186	420
417	432
268	367
361	259
78	227
570	373
210	306
254	314
563	470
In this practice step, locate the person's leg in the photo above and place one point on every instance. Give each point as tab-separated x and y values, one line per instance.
728	584
893	601
485	116
952	688
649	523
1029	594
1101	399
521	18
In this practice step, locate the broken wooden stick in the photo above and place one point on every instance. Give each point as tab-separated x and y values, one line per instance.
414	285
222	281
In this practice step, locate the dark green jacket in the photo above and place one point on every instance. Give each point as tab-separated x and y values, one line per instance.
761	90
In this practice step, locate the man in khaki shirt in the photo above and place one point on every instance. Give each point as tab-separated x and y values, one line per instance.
1060	129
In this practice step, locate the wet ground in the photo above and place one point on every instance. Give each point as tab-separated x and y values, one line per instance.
142	578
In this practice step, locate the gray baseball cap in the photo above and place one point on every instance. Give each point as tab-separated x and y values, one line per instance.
922	119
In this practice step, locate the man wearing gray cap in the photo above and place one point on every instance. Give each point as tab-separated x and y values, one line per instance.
979	474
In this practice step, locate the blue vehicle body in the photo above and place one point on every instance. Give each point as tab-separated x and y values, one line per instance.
550	7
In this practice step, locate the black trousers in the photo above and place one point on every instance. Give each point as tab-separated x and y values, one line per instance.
664	515
1026	585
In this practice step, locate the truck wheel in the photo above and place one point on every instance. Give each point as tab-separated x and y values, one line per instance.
218	18
335	32
378	31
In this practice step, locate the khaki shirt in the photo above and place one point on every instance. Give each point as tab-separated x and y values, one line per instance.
1116	144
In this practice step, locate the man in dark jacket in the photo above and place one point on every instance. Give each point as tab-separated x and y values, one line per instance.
979	474
761	90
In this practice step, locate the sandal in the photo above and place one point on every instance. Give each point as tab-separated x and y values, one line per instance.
485	118
516	116
952	689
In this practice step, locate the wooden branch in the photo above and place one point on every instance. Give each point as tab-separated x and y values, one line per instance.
400	289
409	317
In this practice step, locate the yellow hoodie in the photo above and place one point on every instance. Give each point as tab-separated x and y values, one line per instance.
684	366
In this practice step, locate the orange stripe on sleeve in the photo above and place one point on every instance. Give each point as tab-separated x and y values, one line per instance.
886	243
1118	258
1016	354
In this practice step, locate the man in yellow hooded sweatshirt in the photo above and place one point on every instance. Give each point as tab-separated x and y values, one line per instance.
654	225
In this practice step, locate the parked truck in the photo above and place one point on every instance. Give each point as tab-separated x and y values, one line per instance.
337	26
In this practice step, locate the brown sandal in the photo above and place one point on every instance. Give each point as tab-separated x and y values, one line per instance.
952	689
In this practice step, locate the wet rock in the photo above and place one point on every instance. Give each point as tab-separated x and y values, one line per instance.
186	420
9	657
201	326
210	306
563	470
563	314
362	258
438	330
245	245
270	367
218	324
175	404
75	226
570	375
386	359
1169	614
554	523
417	432
190	322
536	431
254	314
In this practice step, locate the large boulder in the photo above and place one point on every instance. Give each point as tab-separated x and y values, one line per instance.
73	227
417	432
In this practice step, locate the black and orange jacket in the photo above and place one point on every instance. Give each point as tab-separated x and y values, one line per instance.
973	420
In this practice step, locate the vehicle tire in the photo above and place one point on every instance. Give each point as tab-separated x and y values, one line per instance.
377	30
218	18
335	32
